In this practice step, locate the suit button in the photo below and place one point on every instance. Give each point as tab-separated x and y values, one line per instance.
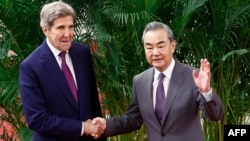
163	134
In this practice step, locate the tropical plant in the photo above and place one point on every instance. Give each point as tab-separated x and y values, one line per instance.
14	44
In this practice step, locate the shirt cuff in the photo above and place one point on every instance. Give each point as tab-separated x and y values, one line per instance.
82	132
208	95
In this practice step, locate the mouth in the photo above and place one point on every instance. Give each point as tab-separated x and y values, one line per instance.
65	42
156	60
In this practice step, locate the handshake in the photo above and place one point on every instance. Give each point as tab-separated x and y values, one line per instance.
95	127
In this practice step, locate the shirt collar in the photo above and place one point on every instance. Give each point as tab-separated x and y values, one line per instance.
54	50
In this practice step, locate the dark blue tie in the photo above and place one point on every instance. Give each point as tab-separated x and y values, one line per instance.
160	98
68	76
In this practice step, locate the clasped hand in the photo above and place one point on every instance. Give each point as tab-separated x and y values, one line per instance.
95	127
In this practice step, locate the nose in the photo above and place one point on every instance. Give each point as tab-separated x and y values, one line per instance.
68	32
155	51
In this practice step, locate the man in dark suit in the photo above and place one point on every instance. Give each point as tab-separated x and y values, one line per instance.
186	92
51	110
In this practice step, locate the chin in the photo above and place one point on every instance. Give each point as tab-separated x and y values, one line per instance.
157	64
158	67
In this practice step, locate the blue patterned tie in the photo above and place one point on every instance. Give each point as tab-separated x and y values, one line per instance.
68	76
160	98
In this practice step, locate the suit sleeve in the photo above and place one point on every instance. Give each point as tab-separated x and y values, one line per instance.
128	122
213	110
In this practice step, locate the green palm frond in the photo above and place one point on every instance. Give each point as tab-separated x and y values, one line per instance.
237	12
190	6
130	12
235	52
181	21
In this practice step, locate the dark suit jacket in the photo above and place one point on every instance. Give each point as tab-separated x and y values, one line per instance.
181	118
48	104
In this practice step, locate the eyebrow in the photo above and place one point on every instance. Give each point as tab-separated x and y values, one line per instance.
160	42
59	26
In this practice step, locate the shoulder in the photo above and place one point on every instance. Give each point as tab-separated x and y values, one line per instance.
33	56
145	75
79	50
182	67
80	46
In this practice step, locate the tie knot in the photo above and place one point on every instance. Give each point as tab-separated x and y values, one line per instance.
62	54
161	76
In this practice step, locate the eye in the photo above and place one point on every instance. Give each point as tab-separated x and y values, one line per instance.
161	47
60	27
148	47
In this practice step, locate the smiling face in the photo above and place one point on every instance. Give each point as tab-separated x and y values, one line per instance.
61	33
158	48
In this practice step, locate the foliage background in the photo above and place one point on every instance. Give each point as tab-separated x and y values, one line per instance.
216	29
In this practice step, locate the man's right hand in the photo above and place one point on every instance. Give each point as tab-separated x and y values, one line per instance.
94	130
101	122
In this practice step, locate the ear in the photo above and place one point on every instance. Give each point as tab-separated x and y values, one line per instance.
173	46
45	31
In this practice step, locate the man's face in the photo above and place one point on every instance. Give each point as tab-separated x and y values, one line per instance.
61	33
158	49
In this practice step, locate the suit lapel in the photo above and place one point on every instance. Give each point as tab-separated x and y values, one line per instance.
84	79
174	86
148	89
51	66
